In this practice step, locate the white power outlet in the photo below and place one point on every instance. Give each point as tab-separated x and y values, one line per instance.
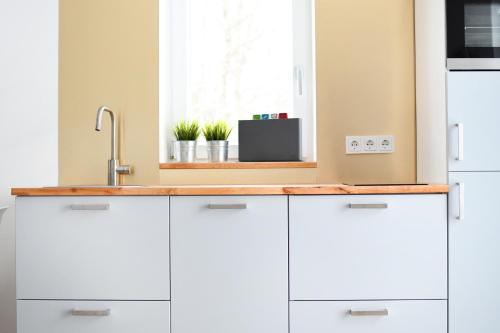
353	145
370	144
386	144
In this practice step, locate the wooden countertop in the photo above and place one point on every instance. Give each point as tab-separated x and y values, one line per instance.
313	189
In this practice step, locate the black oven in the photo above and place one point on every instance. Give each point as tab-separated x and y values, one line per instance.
473	34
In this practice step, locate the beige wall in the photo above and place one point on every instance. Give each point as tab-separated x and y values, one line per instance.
365	85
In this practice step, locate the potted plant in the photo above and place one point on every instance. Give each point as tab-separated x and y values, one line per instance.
216	135
186	133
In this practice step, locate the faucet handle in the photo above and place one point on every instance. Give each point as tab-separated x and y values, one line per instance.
124	169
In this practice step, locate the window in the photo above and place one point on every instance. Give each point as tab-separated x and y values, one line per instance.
231	59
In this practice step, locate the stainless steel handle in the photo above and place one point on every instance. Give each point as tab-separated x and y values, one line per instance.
461	201
91	313
367	313
368	206
460	127
299	73
89	207
227	206
124	169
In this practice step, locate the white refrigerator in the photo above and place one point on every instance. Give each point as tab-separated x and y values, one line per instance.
474	201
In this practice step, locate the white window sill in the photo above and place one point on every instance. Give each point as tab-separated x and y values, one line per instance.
234	164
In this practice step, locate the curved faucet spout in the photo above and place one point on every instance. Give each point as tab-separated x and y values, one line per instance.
98	127
114	167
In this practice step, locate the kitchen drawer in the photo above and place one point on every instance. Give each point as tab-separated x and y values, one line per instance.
93	317
373	317
368	247
93	248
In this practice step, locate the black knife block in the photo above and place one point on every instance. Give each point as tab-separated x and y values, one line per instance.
273	140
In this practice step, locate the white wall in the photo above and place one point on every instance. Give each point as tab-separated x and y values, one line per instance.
28	119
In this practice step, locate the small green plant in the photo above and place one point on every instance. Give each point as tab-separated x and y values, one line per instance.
217	131
187	130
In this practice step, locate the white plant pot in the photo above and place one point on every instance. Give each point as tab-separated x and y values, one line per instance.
187	151
217	151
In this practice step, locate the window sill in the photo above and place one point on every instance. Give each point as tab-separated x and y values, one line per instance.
239	165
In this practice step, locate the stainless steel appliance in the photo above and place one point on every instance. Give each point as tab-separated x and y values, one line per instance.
473	34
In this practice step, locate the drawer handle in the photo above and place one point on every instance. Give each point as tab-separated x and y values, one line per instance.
227	206
91	313
369	313
461	201
368	206
460	128
89	207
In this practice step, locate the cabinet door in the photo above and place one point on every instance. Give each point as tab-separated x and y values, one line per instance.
229	264
92	248
474	104
474	296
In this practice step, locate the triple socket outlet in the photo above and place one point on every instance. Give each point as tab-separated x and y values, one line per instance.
371	144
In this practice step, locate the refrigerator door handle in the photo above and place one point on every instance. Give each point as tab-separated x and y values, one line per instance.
460	127
461	201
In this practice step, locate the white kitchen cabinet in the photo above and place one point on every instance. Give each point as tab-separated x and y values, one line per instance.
368	247
93	317
93	248
373	317
229	264
474	301
474	104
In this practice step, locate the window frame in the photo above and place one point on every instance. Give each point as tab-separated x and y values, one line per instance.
173	32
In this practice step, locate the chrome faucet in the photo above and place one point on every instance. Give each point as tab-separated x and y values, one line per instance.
114	167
